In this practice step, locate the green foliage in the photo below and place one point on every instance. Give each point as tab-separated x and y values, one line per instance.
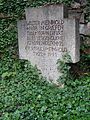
88	11
85	56
8	32
64	68
27	96
16	7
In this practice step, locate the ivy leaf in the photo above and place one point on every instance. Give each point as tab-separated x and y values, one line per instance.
8	74
5	74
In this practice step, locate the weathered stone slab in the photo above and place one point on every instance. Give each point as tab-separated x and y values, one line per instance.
82	20
47	36
82	29
75	13
22	38
44	12
72	38
85	29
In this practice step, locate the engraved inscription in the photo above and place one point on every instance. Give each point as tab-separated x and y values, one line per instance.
45	37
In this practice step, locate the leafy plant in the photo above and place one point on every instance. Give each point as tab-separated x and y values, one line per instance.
64	68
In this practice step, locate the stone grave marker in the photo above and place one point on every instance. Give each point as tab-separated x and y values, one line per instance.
48	34
22	38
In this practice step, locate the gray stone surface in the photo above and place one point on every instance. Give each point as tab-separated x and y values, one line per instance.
46	43
48	35
82	20
82	29
46	12
85	29
22	38
72	38
76	13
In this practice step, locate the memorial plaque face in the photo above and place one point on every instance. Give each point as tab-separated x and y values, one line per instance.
46	38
